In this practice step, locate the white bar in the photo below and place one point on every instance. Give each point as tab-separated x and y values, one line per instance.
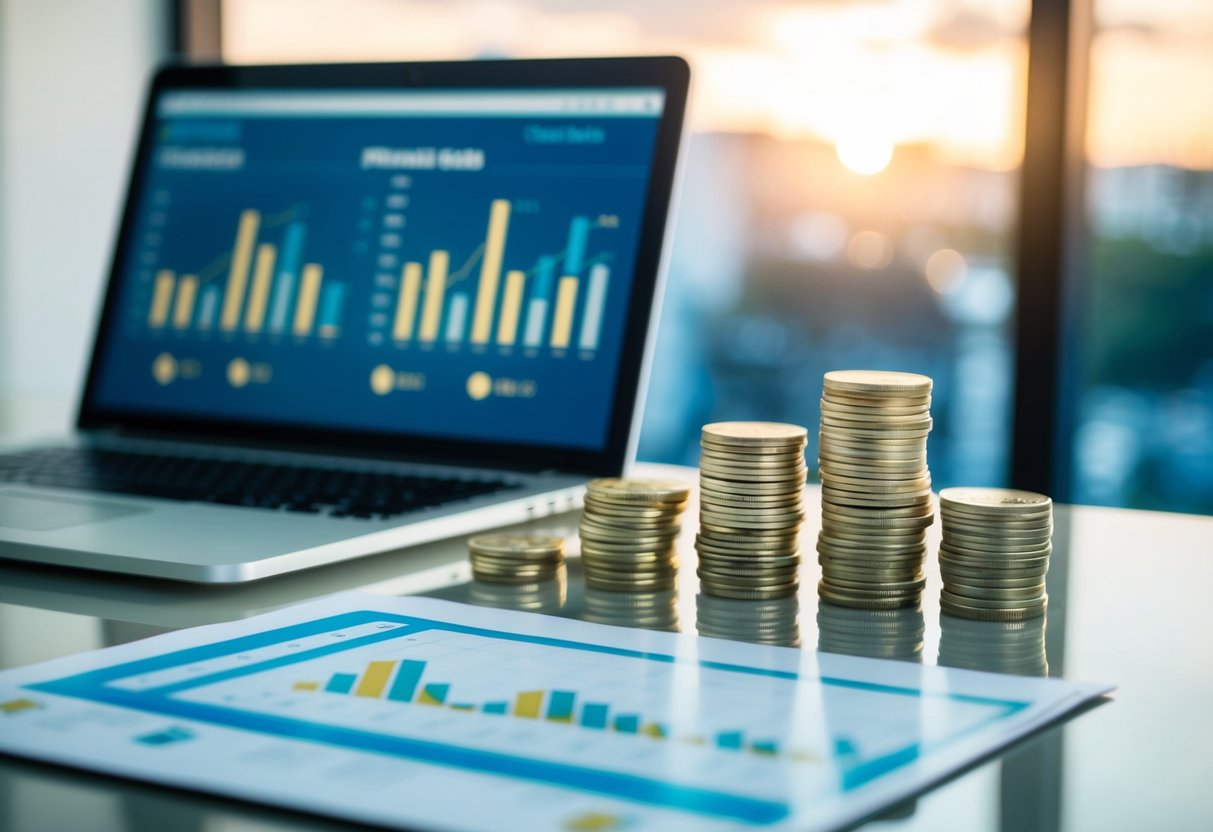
457	319
636	102
536	316
591	323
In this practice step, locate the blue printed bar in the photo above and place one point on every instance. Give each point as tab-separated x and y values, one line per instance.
405	686
594	715
560	706
433	694
729	739
627	723
341	683
766	747
498	708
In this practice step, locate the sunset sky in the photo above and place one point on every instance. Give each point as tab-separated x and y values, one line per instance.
864	76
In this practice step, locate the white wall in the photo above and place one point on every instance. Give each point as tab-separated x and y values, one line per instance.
72	74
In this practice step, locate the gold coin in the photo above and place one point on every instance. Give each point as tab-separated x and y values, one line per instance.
876	381
517	545
747	434
994	501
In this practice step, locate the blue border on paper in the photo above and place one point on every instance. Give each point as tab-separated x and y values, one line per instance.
94	686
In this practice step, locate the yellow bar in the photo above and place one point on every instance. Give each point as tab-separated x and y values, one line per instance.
374	680
306	686
435	289
242	255
527	704
562	322
183	308
305	312
490	270
406	307
260	294
507	330
162	294
653	730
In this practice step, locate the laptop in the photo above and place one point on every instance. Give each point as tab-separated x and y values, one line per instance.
354	308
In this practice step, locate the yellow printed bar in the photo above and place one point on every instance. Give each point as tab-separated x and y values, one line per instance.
162	295
490	270
406	307
183	308
306	686
259	297
507	330
237	278
562	322
435	289
374	680
305	312
527	704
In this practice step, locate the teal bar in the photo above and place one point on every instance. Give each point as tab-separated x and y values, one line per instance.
434	694
729	739
766	747
405	686
341	683
560	706
627	723
496	707
594	716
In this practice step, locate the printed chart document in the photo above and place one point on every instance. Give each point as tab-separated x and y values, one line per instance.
420	713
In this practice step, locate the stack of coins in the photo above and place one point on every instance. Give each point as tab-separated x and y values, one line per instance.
1015	647
876	499
515	558
542	597
995	553
877	634
751	500
776	621
648	610
628	534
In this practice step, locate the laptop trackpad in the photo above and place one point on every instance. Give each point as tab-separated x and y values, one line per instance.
38	513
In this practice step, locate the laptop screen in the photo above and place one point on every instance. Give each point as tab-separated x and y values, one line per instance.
453	263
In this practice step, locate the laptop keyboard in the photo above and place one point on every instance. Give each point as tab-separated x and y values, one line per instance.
296	488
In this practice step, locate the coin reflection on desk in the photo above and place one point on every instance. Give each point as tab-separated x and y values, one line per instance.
1016	647
647	610
775	621
877	634
541	596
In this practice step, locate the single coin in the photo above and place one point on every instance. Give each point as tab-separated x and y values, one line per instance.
710	483
852	498
874	407
991	553
1005	597
876	381
925	509
742	502
747	538
750	594
710	446
992	603
755	433
519	545
876	522
640	490
892	603
1001	543
997	501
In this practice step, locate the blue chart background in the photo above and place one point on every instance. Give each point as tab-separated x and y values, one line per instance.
310	169
855	771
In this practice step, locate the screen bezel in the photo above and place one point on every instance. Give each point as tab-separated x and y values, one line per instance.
671	74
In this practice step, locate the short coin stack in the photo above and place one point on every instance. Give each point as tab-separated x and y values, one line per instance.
751	498
876	499
995	553
515	558
628	533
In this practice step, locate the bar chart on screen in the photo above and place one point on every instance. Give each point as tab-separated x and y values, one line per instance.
547	296
262	285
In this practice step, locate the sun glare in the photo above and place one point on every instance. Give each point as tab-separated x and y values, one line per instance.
864	154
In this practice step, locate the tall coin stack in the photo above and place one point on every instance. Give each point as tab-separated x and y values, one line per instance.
751	500
515	558
995	553
628	533
876	502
